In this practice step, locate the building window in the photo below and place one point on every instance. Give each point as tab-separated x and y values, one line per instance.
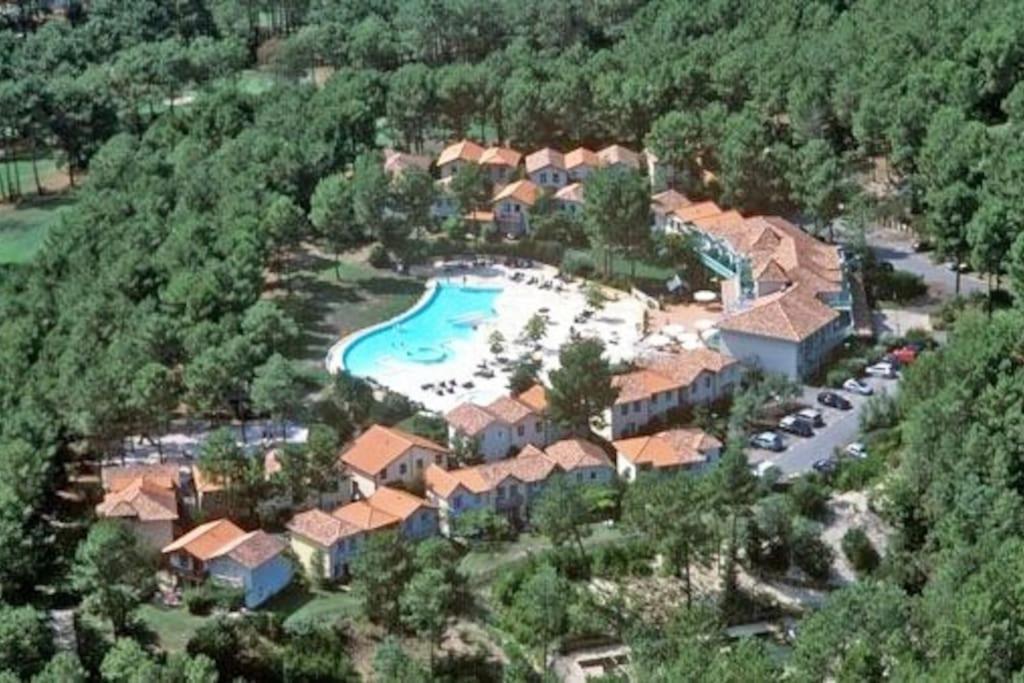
707	382
654	399
554	178
593	475
401	469
501	492
624	409
521	430
579	476
543	178
513	489
636	406
437	459
538	427
419	463
515	207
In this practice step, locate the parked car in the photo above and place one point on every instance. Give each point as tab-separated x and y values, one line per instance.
905	354
812	415
958	266
824	466
922	245
763	468
856	450
855	386
768	440
834	400
881	369
796	425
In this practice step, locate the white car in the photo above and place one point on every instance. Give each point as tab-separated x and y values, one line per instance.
812	415
856	450
767	440
855	386
881	369
763	468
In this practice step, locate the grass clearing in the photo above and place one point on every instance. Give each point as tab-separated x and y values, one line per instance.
301	604
329	301
24	227
481	565
26	177
173	626
623	267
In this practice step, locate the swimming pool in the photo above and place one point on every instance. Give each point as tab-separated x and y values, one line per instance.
422	334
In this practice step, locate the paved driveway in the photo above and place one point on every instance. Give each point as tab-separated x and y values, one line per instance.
841	428
898	251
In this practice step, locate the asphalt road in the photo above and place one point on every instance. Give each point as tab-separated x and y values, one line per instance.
898	251
841	428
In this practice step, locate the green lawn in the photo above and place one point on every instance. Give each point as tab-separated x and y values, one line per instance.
481	565
173	626
329	302
23	228
26	176
623	267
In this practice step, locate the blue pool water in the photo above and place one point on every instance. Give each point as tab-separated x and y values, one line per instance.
451	312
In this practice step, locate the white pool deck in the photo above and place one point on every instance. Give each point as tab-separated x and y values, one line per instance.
619	324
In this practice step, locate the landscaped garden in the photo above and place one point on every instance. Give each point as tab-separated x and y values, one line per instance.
23	228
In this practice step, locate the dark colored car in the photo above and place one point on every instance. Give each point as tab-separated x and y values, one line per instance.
796	425
834	400
824	466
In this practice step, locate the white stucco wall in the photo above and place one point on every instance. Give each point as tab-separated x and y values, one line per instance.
771	355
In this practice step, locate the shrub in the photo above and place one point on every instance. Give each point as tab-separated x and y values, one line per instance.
577	263
379	257
616	560
809	552
228	598
860	551
898	286
199	600
880	412
810	498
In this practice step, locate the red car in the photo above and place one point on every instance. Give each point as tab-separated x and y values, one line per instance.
905	354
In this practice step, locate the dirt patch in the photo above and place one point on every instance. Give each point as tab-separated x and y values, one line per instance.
848	511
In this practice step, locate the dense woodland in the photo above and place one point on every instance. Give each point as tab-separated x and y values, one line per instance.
148	299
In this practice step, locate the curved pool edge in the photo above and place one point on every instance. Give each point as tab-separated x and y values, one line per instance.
339	348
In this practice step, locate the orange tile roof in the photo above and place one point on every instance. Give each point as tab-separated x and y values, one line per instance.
543	158
581	156
571	193
396	162
469	418
465	150
668	201
670	448
362	516
206	540
400	504
480	216
320	527
536	397
162	476
509	409
793	314
641	384
500	156
523	191
683	367
379	446
573	453
696	211
142	500
770	271
617	154
531	465
253	549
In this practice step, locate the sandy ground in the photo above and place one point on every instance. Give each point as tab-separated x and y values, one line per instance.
618	324
849	510
187	437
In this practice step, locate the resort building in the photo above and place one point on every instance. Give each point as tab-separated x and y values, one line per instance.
673	450
504	426
500	164
663	204
210	496
786	295
457	155
546	168
509	487
395	163
570	198
445	204
580	163
665	382
617	156
335	538
220	551
512	206
145	498
386	455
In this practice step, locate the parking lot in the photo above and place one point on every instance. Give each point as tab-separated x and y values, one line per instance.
841	428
